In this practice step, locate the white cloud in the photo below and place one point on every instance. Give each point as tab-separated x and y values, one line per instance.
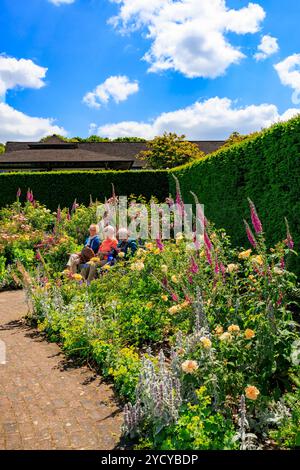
15	125
20	73
61	2
267	47
289	74
189	36
213	119
117	88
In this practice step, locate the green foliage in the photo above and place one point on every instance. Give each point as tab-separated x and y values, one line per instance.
2	148
169	151
199	427
129	139
92	138
54	188
265	168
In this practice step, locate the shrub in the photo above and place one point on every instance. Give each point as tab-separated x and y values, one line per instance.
169	150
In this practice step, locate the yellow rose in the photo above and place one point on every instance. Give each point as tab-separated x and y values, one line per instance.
121	254
189	367
77	277
206	342
258	260
278	271
139	265
149	246
140	252
225	337
245	254
156	251
149	305
202	254
233	329
232	268
249	334
174	279
185	304
252	278
106	266
174	309
219	330
164	298
164	268
252	392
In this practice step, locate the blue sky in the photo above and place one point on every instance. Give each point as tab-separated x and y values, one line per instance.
209	91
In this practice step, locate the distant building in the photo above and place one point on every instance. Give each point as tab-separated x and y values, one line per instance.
55	154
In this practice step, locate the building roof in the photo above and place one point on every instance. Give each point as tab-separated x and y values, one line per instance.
62	158
57	154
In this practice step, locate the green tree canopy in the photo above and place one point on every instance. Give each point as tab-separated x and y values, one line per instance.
170	150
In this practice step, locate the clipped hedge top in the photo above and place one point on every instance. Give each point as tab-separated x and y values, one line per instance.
265	133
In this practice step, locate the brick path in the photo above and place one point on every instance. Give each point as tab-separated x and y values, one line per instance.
45	404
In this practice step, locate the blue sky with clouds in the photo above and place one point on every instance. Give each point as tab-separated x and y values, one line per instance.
195	67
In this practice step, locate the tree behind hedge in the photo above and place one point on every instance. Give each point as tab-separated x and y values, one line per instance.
169	151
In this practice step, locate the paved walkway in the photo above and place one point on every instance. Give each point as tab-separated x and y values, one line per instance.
46	403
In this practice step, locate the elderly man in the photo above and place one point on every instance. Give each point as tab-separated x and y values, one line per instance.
93	242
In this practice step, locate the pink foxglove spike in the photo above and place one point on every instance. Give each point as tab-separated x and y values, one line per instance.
254	218
250	235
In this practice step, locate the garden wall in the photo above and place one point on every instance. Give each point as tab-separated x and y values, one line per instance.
265	168
53	188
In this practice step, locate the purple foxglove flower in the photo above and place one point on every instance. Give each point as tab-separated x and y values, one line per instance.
190	279
19	193
28	195
159	244
250	235
254	218
208	256
74	206
194	266
58	215
165	282
174	297
282	263
289	240
207	242
68	215
223	269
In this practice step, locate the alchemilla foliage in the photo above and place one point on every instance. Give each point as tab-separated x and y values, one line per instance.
202	344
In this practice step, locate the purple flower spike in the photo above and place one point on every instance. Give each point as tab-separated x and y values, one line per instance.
208	256
58	215
68	215
174	297
194	266
250	235
254	218
289	240
159	244
207	242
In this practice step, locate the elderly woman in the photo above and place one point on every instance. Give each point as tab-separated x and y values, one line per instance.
106	248
93	242
126	245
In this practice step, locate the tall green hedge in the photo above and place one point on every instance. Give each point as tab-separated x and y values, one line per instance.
53	188
265	168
